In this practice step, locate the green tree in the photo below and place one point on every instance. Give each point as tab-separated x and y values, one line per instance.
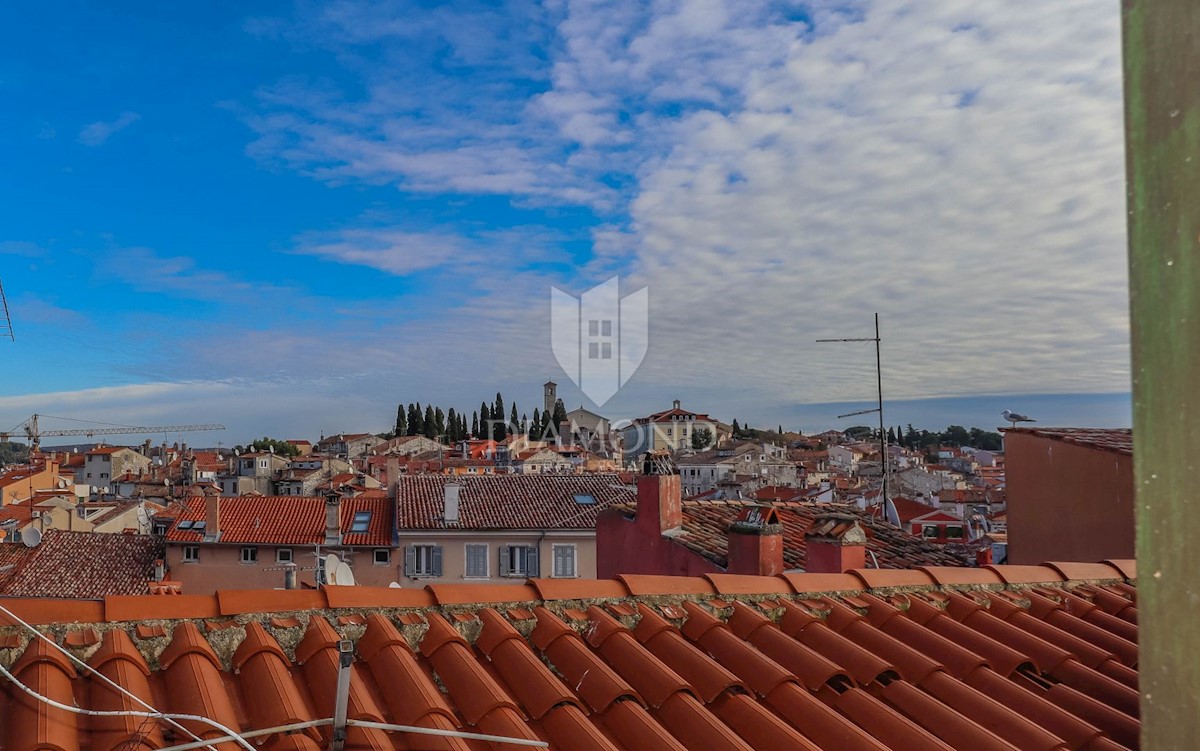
891	436
702	439
524	424
452	426
485	420
474	424
514	423
956	435
429	423
560	415
439	423
282	448
401	422
535	427
499	427
737	429
13	452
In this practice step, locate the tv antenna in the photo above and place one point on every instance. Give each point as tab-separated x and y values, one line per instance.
883	458
6	328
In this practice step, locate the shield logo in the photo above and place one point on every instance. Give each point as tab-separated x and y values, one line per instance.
598	338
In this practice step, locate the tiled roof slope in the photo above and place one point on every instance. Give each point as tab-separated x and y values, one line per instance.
1119	440
705	525
509	501
286	520
1009	657
80	564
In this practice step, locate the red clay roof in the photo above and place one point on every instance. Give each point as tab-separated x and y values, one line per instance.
1119	440
286	520
508	501
79	564
724	663
705	525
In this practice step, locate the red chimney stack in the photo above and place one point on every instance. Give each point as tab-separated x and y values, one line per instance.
756	543
659	494
835	543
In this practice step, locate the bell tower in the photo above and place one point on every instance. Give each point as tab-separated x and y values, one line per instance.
549	396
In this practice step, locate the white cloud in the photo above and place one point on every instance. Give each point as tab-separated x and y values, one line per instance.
956	167
95	134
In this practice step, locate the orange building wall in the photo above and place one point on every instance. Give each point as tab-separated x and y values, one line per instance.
1067	502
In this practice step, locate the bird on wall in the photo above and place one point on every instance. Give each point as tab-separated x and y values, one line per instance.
1014	418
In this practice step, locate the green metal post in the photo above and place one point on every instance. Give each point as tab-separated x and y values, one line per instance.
1162	132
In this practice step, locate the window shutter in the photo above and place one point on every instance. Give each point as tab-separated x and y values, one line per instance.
505	557
410	560
437	560
532	570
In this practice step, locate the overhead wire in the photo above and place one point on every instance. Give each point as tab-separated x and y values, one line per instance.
171	719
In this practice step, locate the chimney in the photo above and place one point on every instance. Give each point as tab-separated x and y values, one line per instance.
835	543
290	578
756	543
333	518
393	475
212	513
160	570
658	493
450	506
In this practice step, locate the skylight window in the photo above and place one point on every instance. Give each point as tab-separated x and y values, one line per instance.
199	526
362	520
585	500
186	524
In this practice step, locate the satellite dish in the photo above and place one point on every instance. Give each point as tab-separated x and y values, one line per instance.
343	576
394	585
331	564
31	537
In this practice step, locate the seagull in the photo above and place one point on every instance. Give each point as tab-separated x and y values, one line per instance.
1015	418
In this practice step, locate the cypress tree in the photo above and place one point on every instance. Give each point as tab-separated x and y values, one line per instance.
535	428
452	426
439	423
736	429
524	424
514	424
401	421
474	424
429	422
499	428
417	424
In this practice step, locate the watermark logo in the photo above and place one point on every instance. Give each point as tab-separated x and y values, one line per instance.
599	338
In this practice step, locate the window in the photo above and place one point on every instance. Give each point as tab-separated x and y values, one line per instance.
160	528
250	554
477	561
954	533
362	520
930	530
283	555
518	560
184	525
585	500
423	560
383	556
191	553
199	526
564	561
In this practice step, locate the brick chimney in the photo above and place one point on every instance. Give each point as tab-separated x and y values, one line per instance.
659	496
212	512
393	475
835	543
756	542
333	518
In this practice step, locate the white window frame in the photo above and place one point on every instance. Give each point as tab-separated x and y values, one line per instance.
560	573
284	555
426	561
191	554
487	563
387	556
249	554
527	570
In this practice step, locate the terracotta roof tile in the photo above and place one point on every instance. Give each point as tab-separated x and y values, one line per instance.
83	564
286	520
1011	666
508	501
1118	440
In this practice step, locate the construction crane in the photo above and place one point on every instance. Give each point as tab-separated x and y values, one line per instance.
31	431
6	328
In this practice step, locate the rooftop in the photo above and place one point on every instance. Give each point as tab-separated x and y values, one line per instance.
282	520
78	564
508	501
705	525
1028	657
1119	440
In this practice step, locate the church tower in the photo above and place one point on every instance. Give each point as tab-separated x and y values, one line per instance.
549	396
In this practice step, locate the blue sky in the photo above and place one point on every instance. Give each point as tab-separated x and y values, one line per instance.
290	217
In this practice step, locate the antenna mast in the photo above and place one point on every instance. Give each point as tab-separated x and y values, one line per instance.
883	458
6	328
